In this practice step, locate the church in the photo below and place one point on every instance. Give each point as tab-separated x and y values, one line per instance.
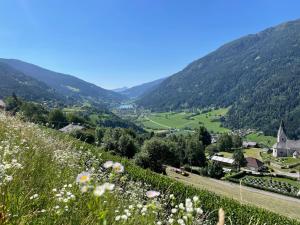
285	147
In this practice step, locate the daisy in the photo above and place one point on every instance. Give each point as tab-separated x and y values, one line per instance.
99	191
152	194
83	177
118	167
108	164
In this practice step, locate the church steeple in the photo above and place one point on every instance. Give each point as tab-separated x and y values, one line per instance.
281	135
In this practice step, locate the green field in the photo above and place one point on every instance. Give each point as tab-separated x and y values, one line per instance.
185	121
251	152
260	138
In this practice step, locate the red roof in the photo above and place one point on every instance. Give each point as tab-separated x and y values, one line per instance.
253	162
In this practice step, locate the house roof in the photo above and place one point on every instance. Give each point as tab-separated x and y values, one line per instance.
253	162
249	143
71	127
222	159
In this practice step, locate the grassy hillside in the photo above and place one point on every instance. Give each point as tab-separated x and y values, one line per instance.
50	178
185	121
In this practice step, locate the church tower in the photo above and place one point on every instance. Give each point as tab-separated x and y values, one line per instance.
281	135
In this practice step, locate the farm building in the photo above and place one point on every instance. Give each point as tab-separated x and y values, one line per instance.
249	144
71	128
224	161
254	164
2	105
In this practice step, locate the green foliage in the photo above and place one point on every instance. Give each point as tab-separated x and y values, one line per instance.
86	136
194	153
225	142
155	153
239	159
57	118
203	136
120	142
215	170
212	149
237	141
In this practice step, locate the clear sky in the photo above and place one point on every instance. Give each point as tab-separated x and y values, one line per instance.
116	43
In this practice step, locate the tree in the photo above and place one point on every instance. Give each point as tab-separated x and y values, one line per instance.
12	104
215	170
203	136
237	141
126	146
118	141
99	134
212	149
73	118
195	152
155	153
225	142
57	119
34	112
239	159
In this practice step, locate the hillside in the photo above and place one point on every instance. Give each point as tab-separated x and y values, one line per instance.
140	90
258	75
49	178
13	81
66	85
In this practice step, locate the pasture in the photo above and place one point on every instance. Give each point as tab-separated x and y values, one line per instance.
185	120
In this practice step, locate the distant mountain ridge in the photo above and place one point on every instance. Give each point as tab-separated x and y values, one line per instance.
66	85
142	89
257	75
118	90
14	81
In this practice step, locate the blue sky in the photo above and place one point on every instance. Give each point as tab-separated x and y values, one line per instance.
116	43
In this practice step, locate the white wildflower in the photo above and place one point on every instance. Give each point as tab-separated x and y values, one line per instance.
152	194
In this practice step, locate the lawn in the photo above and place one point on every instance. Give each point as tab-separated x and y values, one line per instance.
251	152
185	120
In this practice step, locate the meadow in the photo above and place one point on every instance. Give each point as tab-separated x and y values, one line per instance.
185	120
260	138
50	178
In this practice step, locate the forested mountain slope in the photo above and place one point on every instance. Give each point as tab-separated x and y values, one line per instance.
13	81
66	85
258	75
140	90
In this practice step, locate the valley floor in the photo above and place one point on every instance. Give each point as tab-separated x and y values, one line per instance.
281	204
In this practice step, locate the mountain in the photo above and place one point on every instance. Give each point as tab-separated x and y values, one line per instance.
140	90
120	89
257	75
14	81
66	85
